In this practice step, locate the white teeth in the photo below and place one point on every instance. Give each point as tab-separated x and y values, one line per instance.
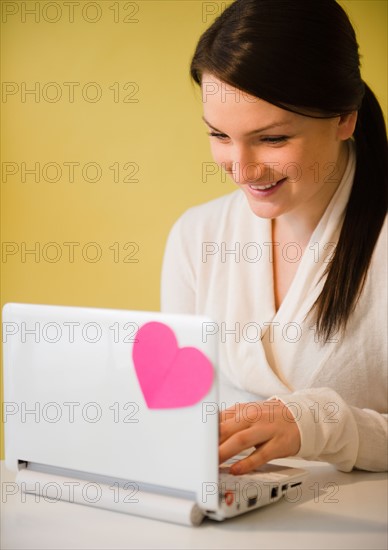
262	187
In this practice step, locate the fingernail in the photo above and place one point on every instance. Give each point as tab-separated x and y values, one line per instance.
236	469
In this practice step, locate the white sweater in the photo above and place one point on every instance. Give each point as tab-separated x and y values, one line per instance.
218	263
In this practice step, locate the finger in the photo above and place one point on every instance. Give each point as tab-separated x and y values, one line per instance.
270	450
250	412
246	416
228	413
241	441
230	427
263	454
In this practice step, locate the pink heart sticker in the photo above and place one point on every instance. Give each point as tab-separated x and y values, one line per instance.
170	377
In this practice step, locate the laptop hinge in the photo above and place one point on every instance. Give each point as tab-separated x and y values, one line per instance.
121	495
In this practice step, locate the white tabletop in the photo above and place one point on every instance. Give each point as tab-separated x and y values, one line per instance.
334	511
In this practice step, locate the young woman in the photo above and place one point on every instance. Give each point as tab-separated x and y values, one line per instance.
292	266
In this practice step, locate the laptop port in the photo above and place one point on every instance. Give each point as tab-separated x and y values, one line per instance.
252	501
284	487
296	484
274	492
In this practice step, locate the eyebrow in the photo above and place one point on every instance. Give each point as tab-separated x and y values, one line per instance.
268	127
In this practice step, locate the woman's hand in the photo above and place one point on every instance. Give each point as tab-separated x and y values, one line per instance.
268	425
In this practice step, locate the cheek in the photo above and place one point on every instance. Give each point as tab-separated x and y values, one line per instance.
294	163
282	162
319	149
219	153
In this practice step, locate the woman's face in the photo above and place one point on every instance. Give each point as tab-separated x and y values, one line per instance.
282	161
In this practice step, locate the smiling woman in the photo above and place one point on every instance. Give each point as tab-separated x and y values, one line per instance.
303	137
279	143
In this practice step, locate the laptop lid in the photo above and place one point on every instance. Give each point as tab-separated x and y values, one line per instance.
112	392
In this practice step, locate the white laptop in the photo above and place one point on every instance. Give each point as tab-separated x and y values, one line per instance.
119	409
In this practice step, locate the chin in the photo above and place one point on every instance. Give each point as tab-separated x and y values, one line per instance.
261	210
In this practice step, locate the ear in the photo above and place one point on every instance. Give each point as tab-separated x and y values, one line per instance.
346	125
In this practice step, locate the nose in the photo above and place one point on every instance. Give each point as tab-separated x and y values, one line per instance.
243	166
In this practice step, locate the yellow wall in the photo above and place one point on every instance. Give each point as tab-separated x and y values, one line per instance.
153	124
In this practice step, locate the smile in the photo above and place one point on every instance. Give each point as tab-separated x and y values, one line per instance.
262	187
265	187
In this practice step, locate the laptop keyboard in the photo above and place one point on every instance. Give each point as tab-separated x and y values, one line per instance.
255	475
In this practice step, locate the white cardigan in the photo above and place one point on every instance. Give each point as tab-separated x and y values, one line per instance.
218	263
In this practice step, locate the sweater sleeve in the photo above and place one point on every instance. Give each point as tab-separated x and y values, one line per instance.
335	432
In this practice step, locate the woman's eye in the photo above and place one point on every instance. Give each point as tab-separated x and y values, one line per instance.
217	135
268	139
273	139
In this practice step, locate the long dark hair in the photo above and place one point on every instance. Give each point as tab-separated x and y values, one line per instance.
302	55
